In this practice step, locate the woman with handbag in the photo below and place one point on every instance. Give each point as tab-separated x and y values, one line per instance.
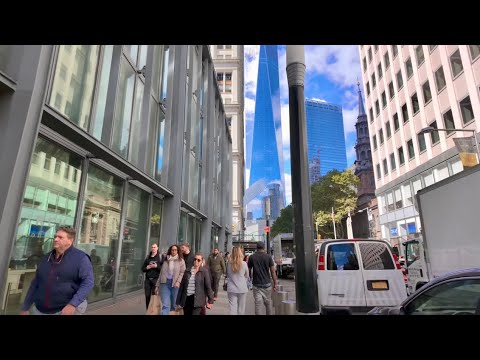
237	288
151	268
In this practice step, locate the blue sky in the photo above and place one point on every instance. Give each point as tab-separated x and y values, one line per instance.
331	75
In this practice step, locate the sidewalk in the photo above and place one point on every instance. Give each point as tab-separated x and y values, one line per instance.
135	305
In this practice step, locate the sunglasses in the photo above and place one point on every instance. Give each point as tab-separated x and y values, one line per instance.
197	259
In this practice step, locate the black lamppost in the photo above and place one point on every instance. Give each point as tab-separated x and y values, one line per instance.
305	272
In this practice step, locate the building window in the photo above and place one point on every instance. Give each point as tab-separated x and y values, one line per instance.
431	48
371	115
392	161
374	140
407	195
399	80
448	121
440	79
394	50
220	47
415	104
79	87
456	63
398	198
421	142
380	72
419	55
375	47
466	110
474	51
391	89
374	81
427	94
384	99
389	131
364	64
387	60
409	68
369	55
379	174
46	205
401	156
411	150
435	137
377	107
385	167
396	123
380	134
405	113
228	47
368	88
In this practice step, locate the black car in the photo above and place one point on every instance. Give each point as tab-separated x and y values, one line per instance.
456	293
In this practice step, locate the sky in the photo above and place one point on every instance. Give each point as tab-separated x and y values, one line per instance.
332	72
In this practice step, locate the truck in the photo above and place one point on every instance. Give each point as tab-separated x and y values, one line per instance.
284	254
449	241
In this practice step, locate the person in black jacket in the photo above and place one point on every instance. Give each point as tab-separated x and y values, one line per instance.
195	288
151	267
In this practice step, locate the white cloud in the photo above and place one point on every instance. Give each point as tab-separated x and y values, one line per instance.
288	188
251	68
351	152
247	176
349	120
340	63
285	110
317	99
249	106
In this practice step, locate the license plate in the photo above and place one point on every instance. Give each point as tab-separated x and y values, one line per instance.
379	285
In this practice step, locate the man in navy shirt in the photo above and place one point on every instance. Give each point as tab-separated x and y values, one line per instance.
63	280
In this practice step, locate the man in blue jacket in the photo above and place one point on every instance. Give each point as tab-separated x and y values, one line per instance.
63	280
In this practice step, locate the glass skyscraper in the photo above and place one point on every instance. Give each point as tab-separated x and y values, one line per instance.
325	137
266	160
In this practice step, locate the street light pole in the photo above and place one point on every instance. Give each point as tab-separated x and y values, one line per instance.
305	273
430	129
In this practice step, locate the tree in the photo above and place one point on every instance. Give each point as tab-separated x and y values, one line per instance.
284	223
335	190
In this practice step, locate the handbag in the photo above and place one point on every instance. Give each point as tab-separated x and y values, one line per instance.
225	284
154	306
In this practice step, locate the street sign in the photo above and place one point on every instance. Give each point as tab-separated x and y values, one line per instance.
266	229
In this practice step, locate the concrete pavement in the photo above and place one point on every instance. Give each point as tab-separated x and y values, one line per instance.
135	304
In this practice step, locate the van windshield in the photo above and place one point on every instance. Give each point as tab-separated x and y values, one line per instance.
376	256
342	257
413	252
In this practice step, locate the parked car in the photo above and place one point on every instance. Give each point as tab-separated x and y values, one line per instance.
354	276
455	293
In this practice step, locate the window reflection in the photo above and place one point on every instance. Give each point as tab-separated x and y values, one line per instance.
50	200
100	228
74	82
130	275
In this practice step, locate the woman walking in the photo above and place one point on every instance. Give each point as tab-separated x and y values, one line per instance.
170	278
237	289
151	268
196	287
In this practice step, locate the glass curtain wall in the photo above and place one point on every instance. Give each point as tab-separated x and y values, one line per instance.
155	225
100	228
50	200
130	275
74	82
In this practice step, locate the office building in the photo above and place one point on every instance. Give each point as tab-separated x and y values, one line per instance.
325	138
409	88
229	66
129	144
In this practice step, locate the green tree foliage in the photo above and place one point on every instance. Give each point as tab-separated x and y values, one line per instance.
337	190
284	223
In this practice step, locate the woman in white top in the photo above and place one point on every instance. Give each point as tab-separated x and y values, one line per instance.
237	273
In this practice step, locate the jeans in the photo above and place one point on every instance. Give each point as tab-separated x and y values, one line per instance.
265	295
168	295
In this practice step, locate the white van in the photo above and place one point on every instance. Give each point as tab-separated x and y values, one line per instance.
357	275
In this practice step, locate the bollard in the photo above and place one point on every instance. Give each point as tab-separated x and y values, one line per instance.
281	296
280	288
288	307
